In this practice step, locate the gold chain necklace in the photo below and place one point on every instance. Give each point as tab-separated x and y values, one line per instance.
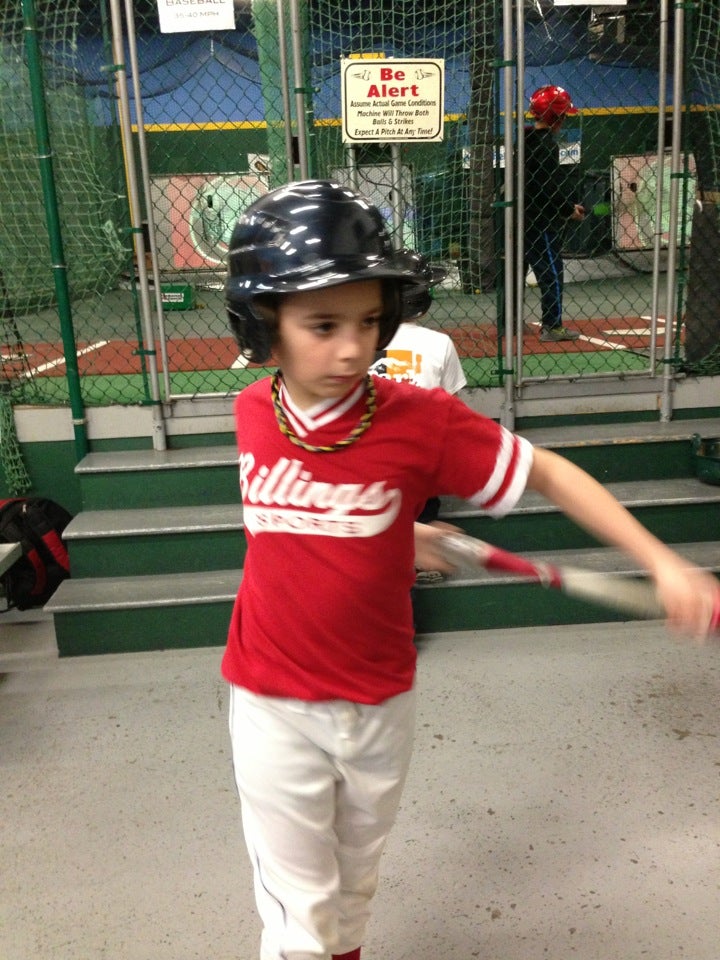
355	433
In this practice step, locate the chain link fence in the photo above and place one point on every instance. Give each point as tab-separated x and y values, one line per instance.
219	122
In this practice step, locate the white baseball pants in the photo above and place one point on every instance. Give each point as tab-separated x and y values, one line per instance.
320	785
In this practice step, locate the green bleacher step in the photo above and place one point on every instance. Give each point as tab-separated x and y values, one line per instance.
156	540
209	537
675	510
118	614
613	452
152	612
150	478
200	475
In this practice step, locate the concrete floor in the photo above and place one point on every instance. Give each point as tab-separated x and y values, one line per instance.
563	802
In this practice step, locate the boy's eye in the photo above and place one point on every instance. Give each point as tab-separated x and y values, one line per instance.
325	327
371	321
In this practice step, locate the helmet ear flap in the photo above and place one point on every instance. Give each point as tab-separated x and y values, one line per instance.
392	313
253	332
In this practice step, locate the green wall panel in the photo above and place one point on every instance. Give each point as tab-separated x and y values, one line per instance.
50	466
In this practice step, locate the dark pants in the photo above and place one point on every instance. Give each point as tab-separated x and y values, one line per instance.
430	511
543	252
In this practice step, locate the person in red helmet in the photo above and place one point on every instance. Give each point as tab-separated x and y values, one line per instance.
547	207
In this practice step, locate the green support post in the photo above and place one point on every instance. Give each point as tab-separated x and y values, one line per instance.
59	267
274	37
269	38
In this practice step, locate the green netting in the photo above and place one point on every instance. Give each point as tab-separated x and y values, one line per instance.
15	475
705	72
702	344
447	189
80	160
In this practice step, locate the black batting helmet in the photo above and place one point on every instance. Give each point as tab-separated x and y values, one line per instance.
416	298
304	236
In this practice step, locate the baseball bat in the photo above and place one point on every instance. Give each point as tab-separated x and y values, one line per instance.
625	594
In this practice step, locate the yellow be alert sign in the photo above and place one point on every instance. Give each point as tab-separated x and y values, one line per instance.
390	100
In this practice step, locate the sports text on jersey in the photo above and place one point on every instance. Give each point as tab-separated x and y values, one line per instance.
285	498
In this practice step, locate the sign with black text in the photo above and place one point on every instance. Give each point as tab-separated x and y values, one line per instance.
184	16
390	100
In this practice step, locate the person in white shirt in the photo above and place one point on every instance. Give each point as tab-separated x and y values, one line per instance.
417	354
422	356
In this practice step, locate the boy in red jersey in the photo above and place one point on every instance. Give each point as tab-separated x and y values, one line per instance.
334	467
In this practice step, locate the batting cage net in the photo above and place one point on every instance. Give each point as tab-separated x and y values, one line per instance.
82	172
156	141
702	308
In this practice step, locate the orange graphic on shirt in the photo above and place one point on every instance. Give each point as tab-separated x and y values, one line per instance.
398	365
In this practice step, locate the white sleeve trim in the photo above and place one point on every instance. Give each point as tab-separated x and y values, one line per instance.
517	485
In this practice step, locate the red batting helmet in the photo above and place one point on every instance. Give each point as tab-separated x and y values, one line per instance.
551	103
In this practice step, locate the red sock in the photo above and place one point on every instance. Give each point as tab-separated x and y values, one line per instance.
350	955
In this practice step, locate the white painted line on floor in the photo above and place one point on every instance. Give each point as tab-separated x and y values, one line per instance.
632	332
638	331
606	344
52	364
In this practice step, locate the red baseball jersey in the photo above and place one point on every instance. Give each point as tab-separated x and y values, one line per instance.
323	611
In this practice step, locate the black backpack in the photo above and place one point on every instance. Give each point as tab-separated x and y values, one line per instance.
37	524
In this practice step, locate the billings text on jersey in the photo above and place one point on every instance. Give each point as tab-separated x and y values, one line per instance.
285	498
